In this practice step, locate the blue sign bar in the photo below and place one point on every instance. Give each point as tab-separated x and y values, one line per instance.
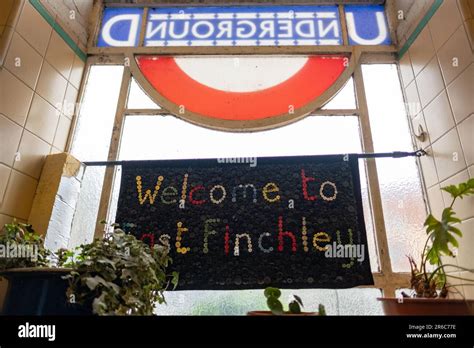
120	27
367	25
244	26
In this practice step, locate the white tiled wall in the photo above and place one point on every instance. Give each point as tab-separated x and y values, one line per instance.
438	76
39	84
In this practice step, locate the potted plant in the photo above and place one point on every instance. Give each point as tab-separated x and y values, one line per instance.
431	290
119	274
25	263
116	275
276	307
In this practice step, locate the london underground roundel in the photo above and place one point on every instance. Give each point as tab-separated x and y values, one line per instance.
243	90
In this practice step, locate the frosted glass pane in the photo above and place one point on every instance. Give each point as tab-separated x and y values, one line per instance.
404	209
336	302
400	185
175	139
368	218
359	302
97	112
91	143
344	99
138	99
388	118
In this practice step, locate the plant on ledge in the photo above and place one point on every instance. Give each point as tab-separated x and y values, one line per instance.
294	307
21	247
116	275
440	242
119	274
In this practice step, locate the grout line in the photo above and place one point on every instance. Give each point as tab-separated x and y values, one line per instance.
14	11
439	62
435	54
58	29
455	126
2	198
43	56
11	216
424	21
25	174
36	136
451	176
13	29
18	219
43	60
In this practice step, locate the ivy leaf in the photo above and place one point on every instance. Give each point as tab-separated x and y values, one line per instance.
272	292
98	305
294	307
275	305
175	279
93	282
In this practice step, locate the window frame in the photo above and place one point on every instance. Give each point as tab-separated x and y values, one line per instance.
384	278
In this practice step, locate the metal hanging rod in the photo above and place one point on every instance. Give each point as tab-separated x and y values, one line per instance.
395	154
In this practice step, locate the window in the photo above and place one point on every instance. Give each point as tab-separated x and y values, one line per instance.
399	179
91	143
149	131
344	99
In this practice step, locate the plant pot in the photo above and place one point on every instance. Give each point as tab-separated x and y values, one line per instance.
39	291
269	313
427	306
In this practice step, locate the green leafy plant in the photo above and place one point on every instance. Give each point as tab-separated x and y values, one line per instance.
119	274
294	307
441	241
21	246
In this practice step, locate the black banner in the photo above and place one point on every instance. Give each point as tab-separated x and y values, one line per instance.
185	331
247	223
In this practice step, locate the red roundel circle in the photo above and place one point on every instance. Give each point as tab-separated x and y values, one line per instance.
314	77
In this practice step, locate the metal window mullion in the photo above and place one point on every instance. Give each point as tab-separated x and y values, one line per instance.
106	60
335	112
106	194
238	50
318	112
143	27
147	112
373	183
342	19
95	24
